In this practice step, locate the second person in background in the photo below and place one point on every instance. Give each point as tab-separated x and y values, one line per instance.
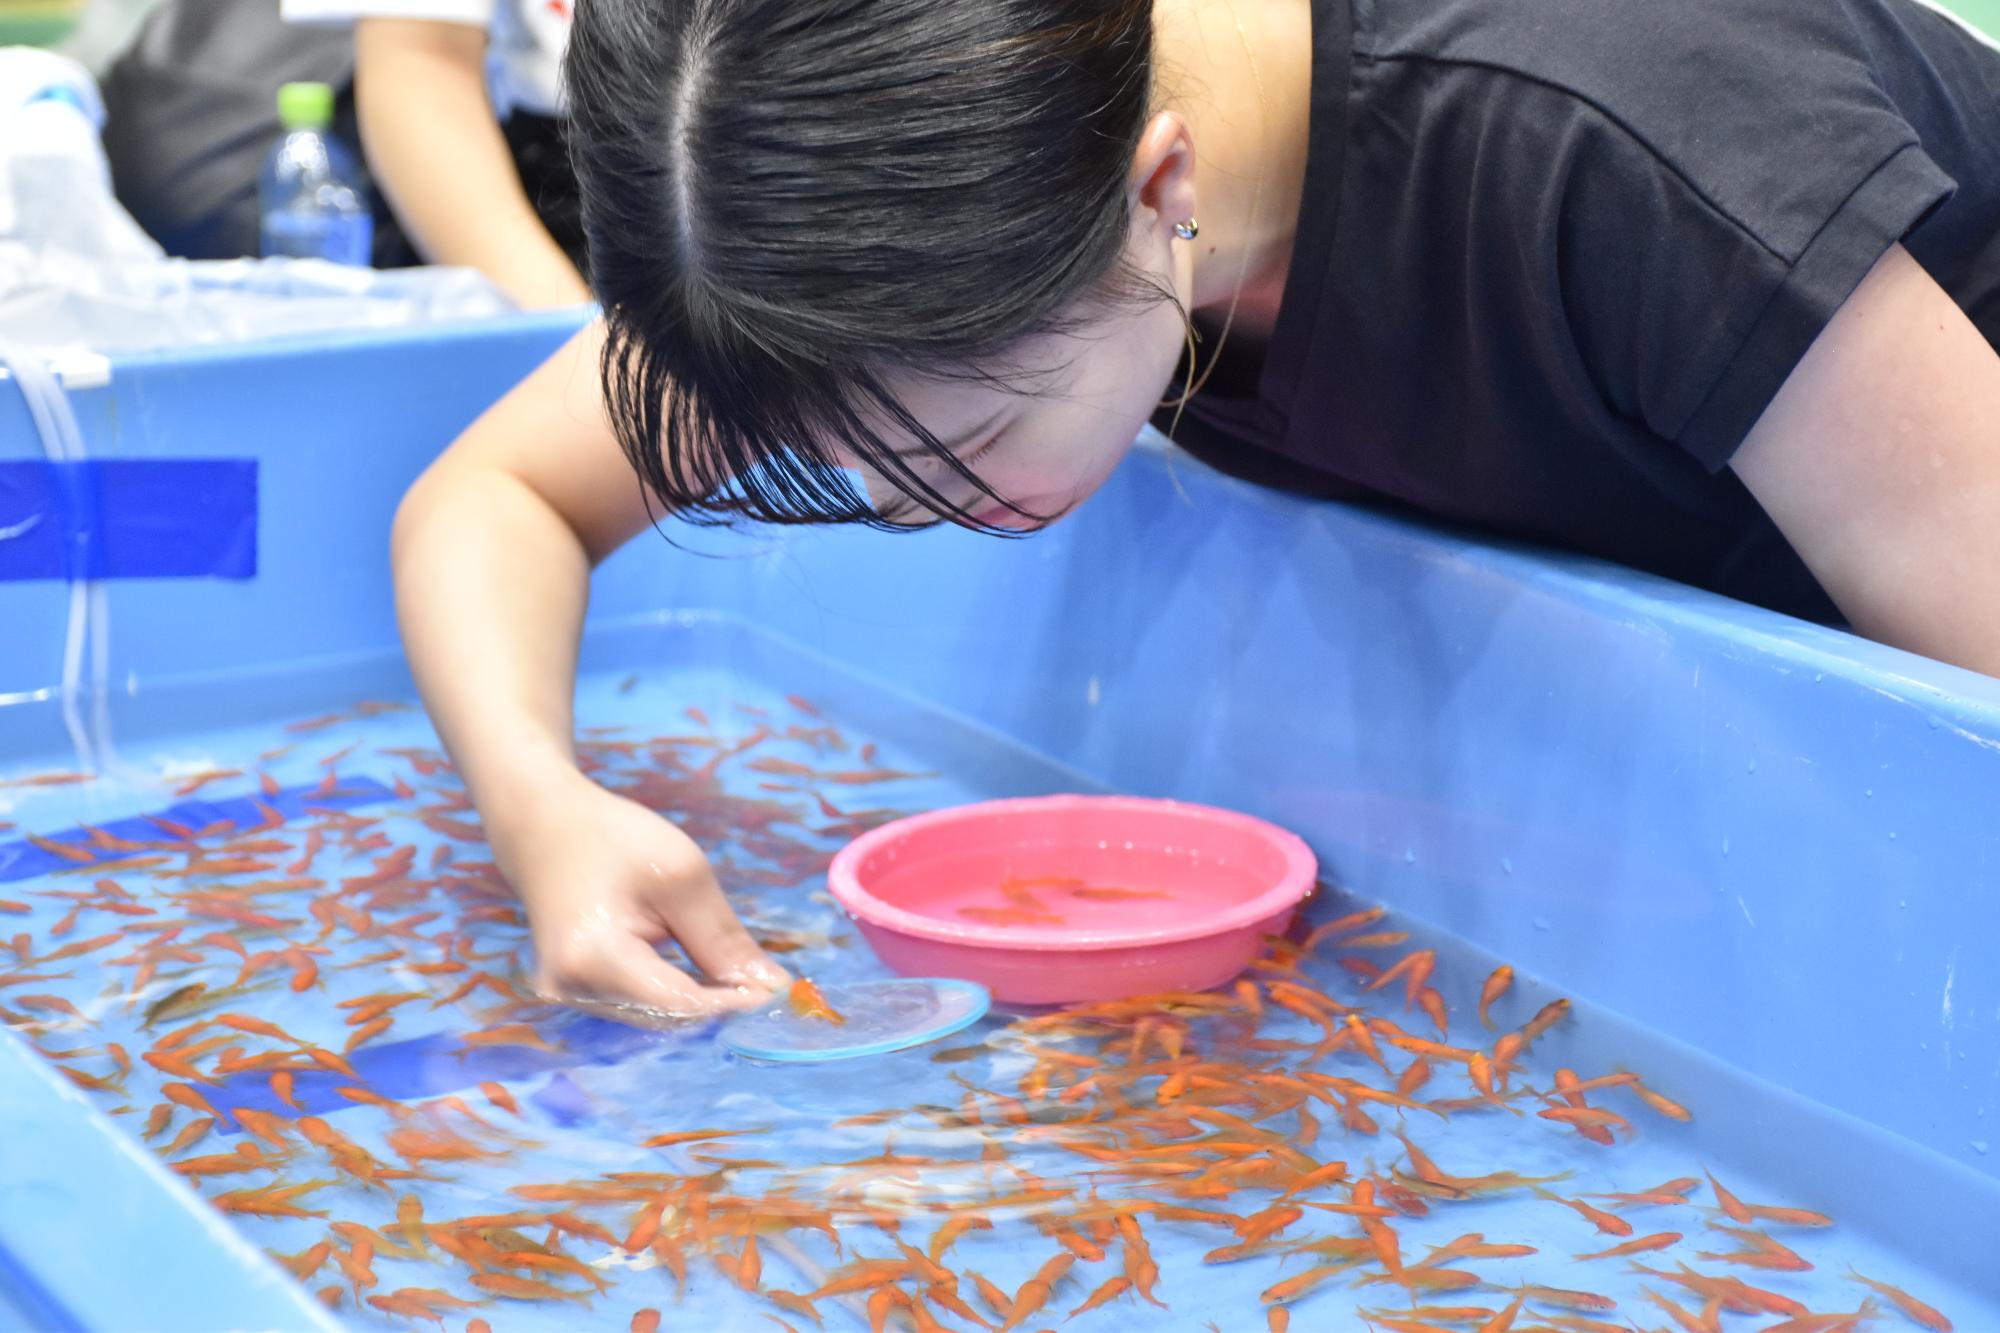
458	103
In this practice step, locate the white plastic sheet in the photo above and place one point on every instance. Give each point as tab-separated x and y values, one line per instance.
77	273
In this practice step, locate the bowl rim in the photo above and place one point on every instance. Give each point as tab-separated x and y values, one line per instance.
1294	883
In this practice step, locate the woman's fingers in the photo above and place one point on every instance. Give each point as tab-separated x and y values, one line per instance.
620	975
715	938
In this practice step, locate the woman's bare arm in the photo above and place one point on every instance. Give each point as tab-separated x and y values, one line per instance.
1880	462
436	149
493	551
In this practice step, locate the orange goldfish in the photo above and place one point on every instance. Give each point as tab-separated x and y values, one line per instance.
1609	1223
807	1002
500	1097
1763	1252
1353	921
509	1034
419	1303
1545	1018
271	1201
1658	1241
525	1289
1298	1285
1908	1304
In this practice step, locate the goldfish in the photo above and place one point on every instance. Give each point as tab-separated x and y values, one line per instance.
573	1225
1432	1003
500	1097
1545	1018
271	1201
524	1289
357	1264
185	1095
1343	925
1474	1245
1609	1223
1325	1174
1586	1116
1658	1241
1691	1323
1913	1308
419	1303
693	1136
1787	1217
1672	1192
1413	969
1110	1291
306	1262
263	1125
415	1145
191	1133
646	1321
50	1004
1111	894
1569	1300
1670	1109
1010	916
1763	1252
509	1034
807	1002
1292	1288
281	1088
254	1026
1734	1293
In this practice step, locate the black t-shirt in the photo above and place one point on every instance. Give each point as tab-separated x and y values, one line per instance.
1557	256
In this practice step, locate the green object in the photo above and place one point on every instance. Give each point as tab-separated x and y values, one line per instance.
305	106
1982	14
37	22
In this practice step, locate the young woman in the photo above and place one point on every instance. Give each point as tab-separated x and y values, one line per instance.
1709	288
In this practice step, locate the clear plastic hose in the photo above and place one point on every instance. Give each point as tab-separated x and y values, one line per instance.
89	618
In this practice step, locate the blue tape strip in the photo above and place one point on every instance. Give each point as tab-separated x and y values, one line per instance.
439	1063
26	860
128	518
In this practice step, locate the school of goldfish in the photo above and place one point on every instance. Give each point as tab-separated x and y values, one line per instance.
1298	1125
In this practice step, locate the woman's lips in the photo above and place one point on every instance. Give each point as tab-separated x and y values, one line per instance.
998	516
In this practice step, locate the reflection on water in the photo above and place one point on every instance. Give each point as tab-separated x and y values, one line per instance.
301	980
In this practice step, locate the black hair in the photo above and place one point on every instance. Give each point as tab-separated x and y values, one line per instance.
788	201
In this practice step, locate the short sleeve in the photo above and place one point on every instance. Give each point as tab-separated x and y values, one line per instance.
1796	304
478	13
1693	285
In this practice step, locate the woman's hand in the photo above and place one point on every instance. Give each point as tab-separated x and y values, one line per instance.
606	882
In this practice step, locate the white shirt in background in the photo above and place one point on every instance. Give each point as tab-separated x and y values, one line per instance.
525	40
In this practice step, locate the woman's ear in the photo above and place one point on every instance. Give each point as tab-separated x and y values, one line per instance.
1161	185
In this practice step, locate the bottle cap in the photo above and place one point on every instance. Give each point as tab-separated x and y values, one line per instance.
305	106
880	1016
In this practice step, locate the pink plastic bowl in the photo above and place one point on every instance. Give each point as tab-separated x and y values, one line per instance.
1226	880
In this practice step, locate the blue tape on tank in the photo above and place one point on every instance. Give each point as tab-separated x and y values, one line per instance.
28	860
128	518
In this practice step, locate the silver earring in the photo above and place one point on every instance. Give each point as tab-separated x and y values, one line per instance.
1188	230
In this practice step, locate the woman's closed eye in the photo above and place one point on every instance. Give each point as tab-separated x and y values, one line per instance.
898	510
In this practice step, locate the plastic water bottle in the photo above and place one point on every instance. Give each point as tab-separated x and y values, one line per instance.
309	192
